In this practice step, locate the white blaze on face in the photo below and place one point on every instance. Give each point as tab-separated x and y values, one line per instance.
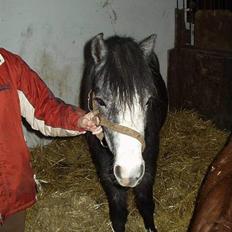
128	149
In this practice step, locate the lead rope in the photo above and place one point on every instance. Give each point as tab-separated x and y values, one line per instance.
113	126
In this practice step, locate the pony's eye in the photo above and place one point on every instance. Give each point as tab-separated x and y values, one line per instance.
100	101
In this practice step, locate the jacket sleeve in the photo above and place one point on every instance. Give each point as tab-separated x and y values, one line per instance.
42	110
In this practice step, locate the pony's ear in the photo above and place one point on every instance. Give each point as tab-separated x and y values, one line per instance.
147	45
98	48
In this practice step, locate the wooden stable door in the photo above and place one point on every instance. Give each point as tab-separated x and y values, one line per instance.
201	80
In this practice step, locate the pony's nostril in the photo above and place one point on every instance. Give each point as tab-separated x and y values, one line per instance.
117	171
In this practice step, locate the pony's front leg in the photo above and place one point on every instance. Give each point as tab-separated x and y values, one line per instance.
145	203
117	199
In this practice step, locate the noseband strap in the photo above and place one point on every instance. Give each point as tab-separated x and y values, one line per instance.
113	126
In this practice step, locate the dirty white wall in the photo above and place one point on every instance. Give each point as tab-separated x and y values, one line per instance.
50	34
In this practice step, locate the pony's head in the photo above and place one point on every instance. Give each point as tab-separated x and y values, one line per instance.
123	85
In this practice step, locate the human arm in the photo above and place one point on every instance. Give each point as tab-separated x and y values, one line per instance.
42	110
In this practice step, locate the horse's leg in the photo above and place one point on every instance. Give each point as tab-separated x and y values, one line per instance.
145	203
117	199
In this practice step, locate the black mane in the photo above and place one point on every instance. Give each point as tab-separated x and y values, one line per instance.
125	69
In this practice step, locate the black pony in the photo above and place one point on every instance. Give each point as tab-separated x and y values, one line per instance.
128	90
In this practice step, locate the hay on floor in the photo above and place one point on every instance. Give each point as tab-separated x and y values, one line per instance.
73	200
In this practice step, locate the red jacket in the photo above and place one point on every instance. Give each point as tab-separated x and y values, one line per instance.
23	93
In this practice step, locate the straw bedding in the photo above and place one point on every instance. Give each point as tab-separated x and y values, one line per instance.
72	198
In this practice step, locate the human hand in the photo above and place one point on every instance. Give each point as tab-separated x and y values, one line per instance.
90	122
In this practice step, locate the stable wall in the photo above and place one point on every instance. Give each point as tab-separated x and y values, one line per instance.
50	35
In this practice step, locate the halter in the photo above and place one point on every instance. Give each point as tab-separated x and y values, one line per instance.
111	125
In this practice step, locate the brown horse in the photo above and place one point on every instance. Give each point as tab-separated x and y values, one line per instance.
213	211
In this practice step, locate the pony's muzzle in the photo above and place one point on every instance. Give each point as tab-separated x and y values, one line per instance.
129	178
